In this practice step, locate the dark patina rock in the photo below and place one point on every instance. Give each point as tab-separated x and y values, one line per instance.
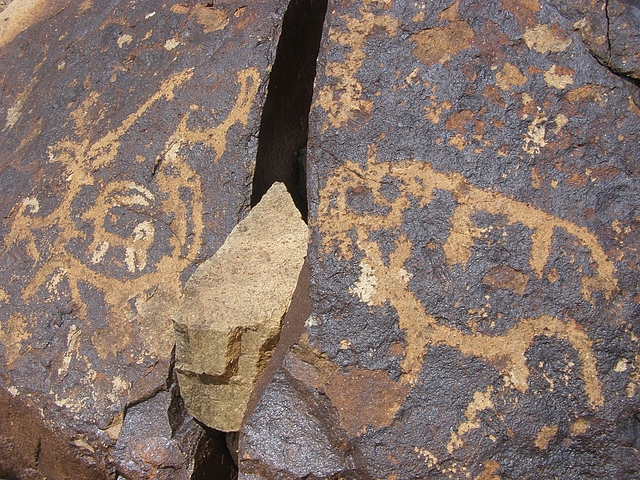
128	137
610	30
473	197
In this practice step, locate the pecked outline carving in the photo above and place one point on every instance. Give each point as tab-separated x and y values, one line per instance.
81	160
344	101
344	230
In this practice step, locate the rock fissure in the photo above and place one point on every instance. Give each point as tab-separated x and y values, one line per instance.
608	30
281	157
284	126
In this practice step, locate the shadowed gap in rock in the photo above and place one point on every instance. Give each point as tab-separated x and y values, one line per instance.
284	126
284	129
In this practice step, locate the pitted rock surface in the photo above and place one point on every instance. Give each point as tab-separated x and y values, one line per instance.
128	136
473	180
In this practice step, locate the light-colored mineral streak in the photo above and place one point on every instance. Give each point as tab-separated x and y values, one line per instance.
18	15
230	318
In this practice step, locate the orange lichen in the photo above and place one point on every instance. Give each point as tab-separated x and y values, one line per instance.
547	38
510	76
439	44
545	435
212	19
558	77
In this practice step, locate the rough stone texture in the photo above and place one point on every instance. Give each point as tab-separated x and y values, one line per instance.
473	198
609	29
28	447
306	449
128	135
160	440
231	315
4	4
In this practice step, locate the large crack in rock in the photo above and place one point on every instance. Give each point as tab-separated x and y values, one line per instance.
284	127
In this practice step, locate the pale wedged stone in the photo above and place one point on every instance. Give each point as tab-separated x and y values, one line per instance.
231	313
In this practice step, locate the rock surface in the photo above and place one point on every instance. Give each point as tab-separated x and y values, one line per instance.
473	189
610	30
159	440
128	137
4	4
473	179
231	315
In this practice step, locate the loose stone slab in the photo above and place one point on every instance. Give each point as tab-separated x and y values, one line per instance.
473	192
128	138
230	318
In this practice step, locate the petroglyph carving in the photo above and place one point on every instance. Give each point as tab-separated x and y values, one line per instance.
386	280
131	271
481	401
344	101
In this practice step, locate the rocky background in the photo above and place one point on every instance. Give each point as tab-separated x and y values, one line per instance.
473	192
128	143
470	175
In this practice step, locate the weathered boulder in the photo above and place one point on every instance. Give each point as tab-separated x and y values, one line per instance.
128	137
159	440
473	194
231	315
